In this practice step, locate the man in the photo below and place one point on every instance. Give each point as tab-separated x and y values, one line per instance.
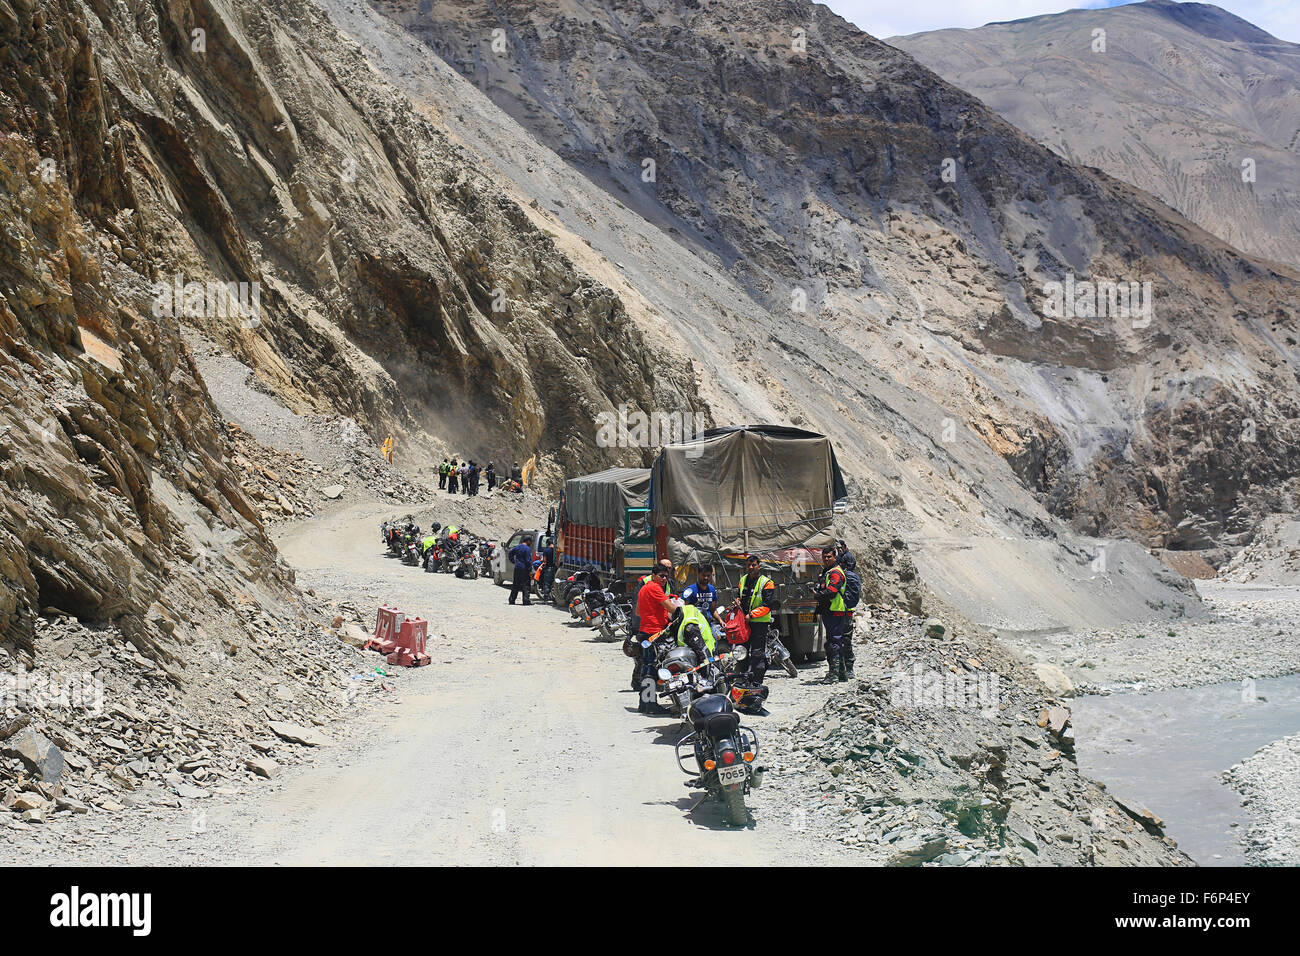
464	477
491	476
548	571
473	477
849	564
442	475
653	608
843	554
522	556
758	601
517	474
703	595
834	615
453	476
688	627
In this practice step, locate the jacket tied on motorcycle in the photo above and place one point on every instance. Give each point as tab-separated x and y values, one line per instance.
692	630
762	598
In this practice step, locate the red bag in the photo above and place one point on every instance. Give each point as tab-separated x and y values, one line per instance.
736	627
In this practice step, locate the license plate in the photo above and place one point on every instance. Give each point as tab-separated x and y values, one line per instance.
806	617
732	776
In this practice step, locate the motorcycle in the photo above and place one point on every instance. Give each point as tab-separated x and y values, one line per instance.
412	551
466	562
615	623
724	752
432	558
575	586
485	550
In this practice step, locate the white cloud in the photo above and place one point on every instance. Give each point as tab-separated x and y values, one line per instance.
887	18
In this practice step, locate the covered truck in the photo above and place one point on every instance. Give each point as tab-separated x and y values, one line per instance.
758	489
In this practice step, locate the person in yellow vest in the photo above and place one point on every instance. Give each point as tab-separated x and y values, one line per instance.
835	616
758	600
688	627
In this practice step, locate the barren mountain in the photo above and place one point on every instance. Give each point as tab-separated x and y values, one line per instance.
1184	100
155	153
889	230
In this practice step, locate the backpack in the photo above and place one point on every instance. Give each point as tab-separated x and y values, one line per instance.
852	589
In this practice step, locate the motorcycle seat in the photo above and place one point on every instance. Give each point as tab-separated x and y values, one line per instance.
721	725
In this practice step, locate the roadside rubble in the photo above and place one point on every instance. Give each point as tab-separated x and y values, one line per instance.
95	728
1269	783
286	486
946	752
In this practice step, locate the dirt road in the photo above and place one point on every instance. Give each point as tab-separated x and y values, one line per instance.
520	744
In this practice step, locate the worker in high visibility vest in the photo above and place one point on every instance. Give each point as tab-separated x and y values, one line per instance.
757	600
835	615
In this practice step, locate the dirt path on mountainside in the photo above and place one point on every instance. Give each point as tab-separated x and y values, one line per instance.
519	744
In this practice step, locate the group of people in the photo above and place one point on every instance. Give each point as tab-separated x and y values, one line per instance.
691	616
465	477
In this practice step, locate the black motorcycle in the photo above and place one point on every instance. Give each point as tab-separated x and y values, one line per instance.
467	562
725	753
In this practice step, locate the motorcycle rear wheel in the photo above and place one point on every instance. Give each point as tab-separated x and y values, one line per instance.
733	799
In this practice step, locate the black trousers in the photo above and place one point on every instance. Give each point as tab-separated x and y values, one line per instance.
756	662
442	480
520	583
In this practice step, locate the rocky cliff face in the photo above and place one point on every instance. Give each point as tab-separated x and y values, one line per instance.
888	224
1185	100
153	154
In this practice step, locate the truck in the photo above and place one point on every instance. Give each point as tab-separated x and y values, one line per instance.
769	490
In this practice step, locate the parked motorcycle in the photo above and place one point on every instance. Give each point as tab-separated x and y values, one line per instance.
616	623
724	752
467	562
485	551
778	656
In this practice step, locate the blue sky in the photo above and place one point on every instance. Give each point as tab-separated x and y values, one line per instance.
886	18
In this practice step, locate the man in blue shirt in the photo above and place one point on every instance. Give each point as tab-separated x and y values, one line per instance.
704	595
522	556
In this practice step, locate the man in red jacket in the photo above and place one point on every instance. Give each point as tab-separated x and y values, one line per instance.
653	607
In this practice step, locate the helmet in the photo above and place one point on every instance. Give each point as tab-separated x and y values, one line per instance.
436	526
850	563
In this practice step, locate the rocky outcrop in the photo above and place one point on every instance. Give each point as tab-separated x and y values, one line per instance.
154	154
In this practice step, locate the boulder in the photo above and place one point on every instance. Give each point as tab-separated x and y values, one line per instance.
297	734
37	752
1054	679
262	766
